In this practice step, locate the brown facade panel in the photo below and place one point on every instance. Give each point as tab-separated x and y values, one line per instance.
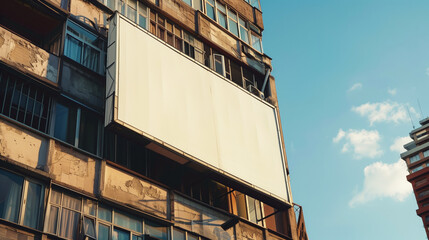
180	11
217	36
258	19
242	7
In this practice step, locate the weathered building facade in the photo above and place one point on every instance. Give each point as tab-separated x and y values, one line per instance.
417	159
148	119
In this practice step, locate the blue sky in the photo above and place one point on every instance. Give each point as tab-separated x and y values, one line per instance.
346	73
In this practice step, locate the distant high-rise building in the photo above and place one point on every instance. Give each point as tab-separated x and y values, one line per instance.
417	159
132	120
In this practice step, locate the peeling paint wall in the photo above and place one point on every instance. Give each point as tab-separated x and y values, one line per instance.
247	232
22	146
213	33
136	192
70	167
26	56
202	220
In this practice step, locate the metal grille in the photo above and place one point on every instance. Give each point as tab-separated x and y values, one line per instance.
24	102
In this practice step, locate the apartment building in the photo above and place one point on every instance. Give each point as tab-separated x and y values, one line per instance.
417	159
148	119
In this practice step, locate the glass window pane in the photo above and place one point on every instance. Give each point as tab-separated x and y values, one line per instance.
232	15
69	223
33	207
233	27
10	199
127	221
89	227
244	34
65	123
120	234
222	19
210	11
103	232
189	2
73	48
156	230
89	207
88	134
137	237
426	153
55	197
71	202
192	237
91	58
52	220
142	22
104	213
256	43
178	234
197	5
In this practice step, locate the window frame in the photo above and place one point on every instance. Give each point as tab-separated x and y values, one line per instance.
23	200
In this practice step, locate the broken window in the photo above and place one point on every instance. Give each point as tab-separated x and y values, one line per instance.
24	102
21	200
84	47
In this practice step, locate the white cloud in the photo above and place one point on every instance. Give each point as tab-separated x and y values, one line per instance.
355	86
392	91
398	144
362	143
383	180
385	112
341	134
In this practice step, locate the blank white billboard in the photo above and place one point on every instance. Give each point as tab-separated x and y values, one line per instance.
163	93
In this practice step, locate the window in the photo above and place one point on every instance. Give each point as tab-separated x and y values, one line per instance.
426	153
219	64
414	158
254	3
417	168
210	9
132	10
256	42
77	126
142	15
221	15
70	215
244	32
21	200
254	210
84	47
232	22
24	102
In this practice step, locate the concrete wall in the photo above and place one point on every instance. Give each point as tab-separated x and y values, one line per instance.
22	146
133	191
68	166
200	219
27	57
248	232
11	233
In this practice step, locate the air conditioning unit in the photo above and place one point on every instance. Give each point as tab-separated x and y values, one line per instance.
255	91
